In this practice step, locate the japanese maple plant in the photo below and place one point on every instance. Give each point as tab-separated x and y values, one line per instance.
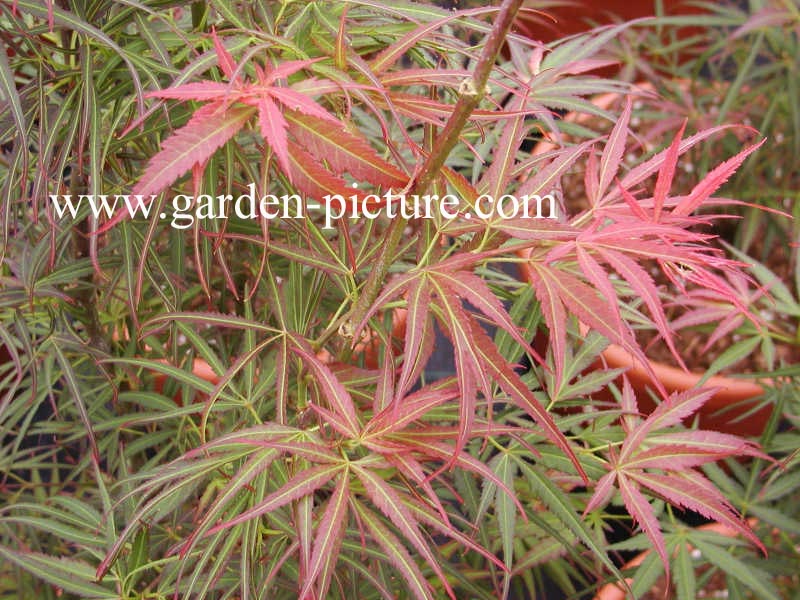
316	454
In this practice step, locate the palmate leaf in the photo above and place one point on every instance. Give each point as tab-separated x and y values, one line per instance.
477	359
664	464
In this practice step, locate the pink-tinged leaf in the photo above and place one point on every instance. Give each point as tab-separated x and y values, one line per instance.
207	131
583	302
313	179
436	450
311	451
413	407
425	515
666	174
603	493
641	511
598	276
615	148
764	18
384	390
518	392
546	177
556	289
307	256
336	421
683	493
294	100
273	130
642	284
670	412
709	442
555	317
391	54
413	470
393	289
254	466
473	289
497	178
523	228
390	504
201	91
327	541
712	182
344	152
641	172
252	436
420	109
285	69
342	43
418	344
224	58
407	77
591	178
629	406
304	483
396	552
332	390
634	205
469	374
687	449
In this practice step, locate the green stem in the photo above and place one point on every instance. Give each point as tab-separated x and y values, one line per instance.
472	90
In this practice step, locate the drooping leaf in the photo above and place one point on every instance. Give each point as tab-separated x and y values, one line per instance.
328	540
390	504
396	552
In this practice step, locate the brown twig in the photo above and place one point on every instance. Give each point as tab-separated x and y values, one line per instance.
472	91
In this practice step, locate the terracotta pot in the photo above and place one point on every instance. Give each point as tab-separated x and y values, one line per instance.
615	591
728	411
